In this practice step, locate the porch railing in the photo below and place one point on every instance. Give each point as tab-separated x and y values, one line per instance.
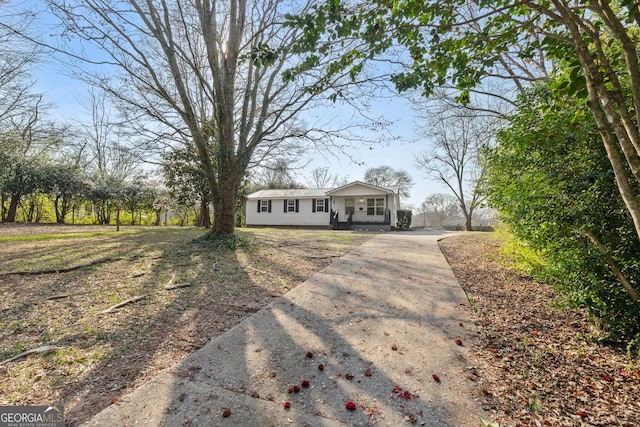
363	218
334	222
359	218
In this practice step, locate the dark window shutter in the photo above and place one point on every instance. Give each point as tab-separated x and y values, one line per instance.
259	203
313	205
269	208
285	205
297	205
326	205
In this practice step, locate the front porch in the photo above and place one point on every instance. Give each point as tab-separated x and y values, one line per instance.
361	220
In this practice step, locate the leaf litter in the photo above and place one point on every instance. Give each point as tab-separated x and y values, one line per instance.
536	364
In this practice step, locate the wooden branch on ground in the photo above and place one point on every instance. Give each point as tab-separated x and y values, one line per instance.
322	257
43	349
76	267
122	304
170	287
60	270
242	307
55	297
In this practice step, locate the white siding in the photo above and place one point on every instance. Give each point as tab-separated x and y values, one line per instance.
277	216
391	203
357	190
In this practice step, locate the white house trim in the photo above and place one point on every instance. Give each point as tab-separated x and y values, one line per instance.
354	205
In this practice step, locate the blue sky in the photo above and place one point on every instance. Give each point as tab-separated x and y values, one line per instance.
66	94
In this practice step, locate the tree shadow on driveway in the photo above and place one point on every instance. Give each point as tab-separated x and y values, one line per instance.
382	321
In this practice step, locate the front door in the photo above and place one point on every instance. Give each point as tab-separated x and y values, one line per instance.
349	206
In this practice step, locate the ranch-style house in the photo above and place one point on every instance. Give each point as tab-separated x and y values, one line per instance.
357	205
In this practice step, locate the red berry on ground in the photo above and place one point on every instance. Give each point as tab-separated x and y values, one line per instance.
351	406
436	378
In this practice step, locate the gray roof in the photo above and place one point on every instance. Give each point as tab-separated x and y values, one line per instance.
393	189
311	193
298	193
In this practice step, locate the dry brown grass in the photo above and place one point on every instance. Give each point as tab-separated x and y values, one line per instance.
189	293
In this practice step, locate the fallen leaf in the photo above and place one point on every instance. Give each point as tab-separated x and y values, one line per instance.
226	412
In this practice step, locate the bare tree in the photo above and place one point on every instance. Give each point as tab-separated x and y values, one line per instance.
210	73
106	154
276	174
458	137
18	55
105	159
321	177
438	208
26	142
20	109
386	176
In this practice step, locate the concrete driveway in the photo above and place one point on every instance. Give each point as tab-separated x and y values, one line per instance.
382	321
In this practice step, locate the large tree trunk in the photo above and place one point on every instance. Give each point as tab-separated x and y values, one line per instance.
204	219
467	222
610	120
13	208
224	211
60	211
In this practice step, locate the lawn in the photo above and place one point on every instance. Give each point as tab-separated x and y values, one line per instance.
112	309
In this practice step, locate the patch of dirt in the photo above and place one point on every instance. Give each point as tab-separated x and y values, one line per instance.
538	365
137	303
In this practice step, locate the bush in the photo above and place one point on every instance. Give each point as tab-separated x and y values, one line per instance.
551	180
404	219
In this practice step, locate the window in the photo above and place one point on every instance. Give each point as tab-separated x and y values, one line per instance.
375	206
291	205
320	205
264	206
